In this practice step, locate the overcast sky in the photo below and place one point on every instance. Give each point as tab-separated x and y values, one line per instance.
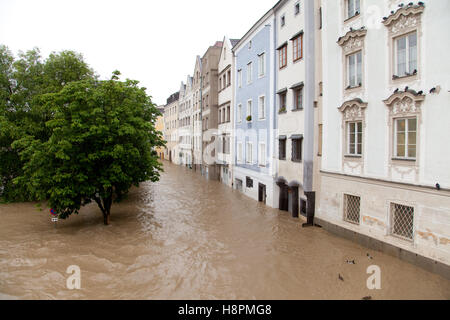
155	42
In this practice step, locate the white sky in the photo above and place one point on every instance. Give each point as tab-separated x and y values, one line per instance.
155	42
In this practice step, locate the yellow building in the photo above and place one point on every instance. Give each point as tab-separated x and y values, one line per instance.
160	127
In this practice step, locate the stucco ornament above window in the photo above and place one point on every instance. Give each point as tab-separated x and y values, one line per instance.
353	40
405	18
405	103
353	110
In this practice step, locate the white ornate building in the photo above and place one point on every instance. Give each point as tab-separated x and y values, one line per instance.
385	176
186	125
225	115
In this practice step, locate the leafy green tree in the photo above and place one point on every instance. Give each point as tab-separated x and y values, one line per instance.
101	144
23	112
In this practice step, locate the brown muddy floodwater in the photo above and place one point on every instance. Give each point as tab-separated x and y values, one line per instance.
185	238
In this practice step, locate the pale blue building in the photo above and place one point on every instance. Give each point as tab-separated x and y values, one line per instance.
254	118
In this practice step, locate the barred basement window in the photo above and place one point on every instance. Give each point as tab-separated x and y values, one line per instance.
402	223
352	208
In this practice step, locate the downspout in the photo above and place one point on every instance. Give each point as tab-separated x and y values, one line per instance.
274	95
308	159
201	117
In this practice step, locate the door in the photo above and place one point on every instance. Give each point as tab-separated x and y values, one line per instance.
262	195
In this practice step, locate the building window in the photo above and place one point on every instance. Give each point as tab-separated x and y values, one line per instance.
282	101
352	208
405	138
283	20
228	113
298	98
249	153
229	77
239	113
354	130
249	73
354	70
297	149
239	152
262	107
262	154
249	182
298	48
282	52
249	110
353	8
406	55
402	221
297	8
282	149
240	78
262	65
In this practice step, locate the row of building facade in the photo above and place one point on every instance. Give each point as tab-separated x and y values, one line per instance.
337	110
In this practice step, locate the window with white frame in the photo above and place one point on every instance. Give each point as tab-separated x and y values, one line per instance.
239	152
261	65
249	152
249	110
239	113
405	136
239	78
354	138
262	107
354	69
406	55
249	72
353	8
262	154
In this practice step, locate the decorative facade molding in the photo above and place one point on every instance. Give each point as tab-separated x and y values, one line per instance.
404	103
404	19
353	40
353	110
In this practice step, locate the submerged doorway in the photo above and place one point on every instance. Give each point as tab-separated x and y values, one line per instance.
262	193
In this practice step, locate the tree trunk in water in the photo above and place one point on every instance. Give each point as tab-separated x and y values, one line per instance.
106	218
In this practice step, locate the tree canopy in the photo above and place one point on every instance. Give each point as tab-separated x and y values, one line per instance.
70	138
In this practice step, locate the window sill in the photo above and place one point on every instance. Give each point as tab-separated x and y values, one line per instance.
297	109
354	156
282	159
405	77
355	88
352	17
282	112
283	67
296	161
404	160
298	60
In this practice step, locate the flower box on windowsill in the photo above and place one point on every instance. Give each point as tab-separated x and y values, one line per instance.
249	119
282	110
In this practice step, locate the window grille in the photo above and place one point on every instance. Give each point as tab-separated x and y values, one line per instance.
352	208
402	221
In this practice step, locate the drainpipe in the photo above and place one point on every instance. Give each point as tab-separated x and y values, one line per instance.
308	160
201	118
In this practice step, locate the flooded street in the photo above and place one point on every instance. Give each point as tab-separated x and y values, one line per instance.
185	238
